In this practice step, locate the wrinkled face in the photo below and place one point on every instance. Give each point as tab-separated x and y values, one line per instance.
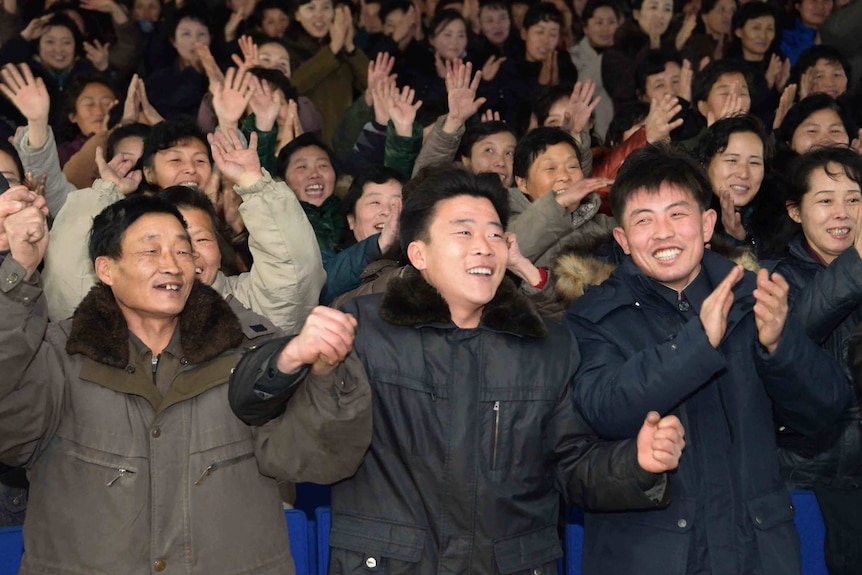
373	208
186	163
494	24
274	23
664	232
316	17
493	154
667	82
149	10
464	256
154	275
829	78
828	212
541	40
92	107
204	243
739	168
57	48
726	85
823	128
814	12
717	21
600	29
756	36
189	33
310	175
450	40
556	170
10	170
654	16
274	57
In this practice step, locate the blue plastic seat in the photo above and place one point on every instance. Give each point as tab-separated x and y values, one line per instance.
812	532
11	550
301	546
323	518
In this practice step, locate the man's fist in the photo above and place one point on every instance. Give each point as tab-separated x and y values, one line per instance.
660	443
324	342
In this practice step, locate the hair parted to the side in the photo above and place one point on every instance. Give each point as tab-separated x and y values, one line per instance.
846	160
188	198
170	133
109	227
653	166
478	132
306	140
534	143
421	205
717	137
370	175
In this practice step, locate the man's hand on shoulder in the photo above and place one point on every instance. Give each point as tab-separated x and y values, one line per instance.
660	442
324	342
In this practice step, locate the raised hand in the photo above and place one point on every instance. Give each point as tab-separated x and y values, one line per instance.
731	219
324	342
389	235
490	116
97	53
379	70
339	29
733	106
402	111
210	68
660	443
772	71
151	116
688	26
119	171
461	94
250	53
659	122
231	98
570	197
35	184
36	27
770	309
492	67
289	126
12	201
685	77
26	92
132	104
381	100
240	165
26	232
266	105
580	108
518	264
549	75
788	96
713	313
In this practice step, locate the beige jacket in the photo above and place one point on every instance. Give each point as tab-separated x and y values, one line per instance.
283	285
128	479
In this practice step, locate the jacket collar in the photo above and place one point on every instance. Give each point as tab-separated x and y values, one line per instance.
207	327
410	301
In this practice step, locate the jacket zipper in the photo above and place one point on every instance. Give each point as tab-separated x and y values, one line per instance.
121	472
155	362
220	464
496	434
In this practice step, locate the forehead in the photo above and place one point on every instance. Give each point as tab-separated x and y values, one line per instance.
274	12
274	50
658	200
8	166
556	152
197	219
464	207
450	26
825	116
500	139
188	24
760	21
392	188
824	64
603	12
55	31
493	11
544	25
154	226
95	90
729	78
189	146
308	153
647	4
748	140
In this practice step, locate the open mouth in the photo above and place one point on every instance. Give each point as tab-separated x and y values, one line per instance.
838	233
480	271
379	227
667	254
169	287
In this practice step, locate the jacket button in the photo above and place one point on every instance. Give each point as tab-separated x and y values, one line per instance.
16	501
159	566
11	278
673	346
682	523
184	361
371	563
757	519
637	304
156	432
537	572
130	368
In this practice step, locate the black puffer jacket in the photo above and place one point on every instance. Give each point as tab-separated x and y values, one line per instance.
828	303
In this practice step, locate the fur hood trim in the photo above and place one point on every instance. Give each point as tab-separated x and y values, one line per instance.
410	301
207	327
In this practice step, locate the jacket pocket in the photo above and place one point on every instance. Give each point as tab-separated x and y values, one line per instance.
367	545
110	468
532	552
777	539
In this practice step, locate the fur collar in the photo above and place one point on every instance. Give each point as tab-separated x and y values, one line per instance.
207	327
410	301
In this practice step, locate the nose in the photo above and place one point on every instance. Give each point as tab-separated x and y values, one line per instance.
481	245
743	170
663	229
168	263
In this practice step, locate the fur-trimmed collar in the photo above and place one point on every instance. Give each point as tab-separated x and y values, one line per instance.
410	301
207	327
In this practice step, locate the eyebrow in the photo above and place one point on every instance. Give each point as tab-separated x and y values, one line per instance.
471	221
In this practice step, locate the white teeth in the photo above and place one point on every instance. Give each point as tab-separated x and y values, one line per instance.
667	254
199	271
838	231
314	188
379	227
189	184
479	271
170	287
739	188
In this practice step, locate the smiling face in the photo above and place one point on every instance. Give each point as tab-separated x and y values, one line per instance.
189	33
450	40
274	57
186	163
654	16
310	175
814	12
828	78
316	17
727	84
373	208
464	256
823	128
493	154
207	254
739	168
756	36
494	24
667	82
664	232
828	212
600	29
57	48
155	272
556	169
541	40
92	107
274	23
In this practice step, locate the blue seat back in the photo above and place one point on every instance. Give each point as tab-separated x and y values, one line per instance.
323	518
11	550
301	546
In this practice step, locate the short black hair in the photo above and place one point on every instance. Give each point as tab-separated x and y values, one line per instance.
120	133
494	5
188	198
196	11
109	227
807	106
442	19
592	5
60	19
716	138
264	5
752	11
706	78
804	166
68	130
421	205
305	140
277	79
7	148
370	175
653	62
625	119
809	58
478	132
534	143
388	8
544	98
655	165
168	134
542	12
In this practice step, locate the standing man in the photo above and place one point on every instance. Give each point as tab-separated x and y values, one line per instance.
682	330
475	432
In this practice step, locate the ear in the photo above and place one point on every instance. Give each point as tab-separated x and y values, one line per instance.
522	184
72	117
104	269
465	160
738	32
523	34
793	211
636	15
709	217
149	175
703	108
351	221
416	254
620	236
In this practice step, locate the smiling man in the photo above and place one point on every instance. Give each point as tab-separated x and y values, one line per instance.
475	433
684	331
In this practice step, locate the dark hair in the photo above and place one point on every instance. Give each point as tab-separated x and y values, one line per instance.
421	206
277	79
809	58
478	132
120	133
624	120
264	5
305	140
706	78
443	18
752	11
653	166
187	198
652	63
388	8
494	5
804	166
716	138
7	148
59	19
109	227
368	175
191	11
545	97
592	5
534	143
69	130
804	108
168	134
542	12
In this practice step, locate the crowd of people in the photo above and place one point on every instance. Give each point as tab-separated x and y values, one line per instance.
467	260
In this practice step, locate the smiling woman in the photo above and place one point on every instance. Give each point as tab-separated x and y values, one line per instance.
88	104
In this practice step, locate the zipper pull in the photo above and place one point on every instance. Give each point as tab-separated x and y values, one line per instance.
120	473
155	362
496	434
204	475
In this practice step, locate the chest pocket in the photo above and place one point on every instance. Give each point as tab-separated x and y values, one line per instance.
366	545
